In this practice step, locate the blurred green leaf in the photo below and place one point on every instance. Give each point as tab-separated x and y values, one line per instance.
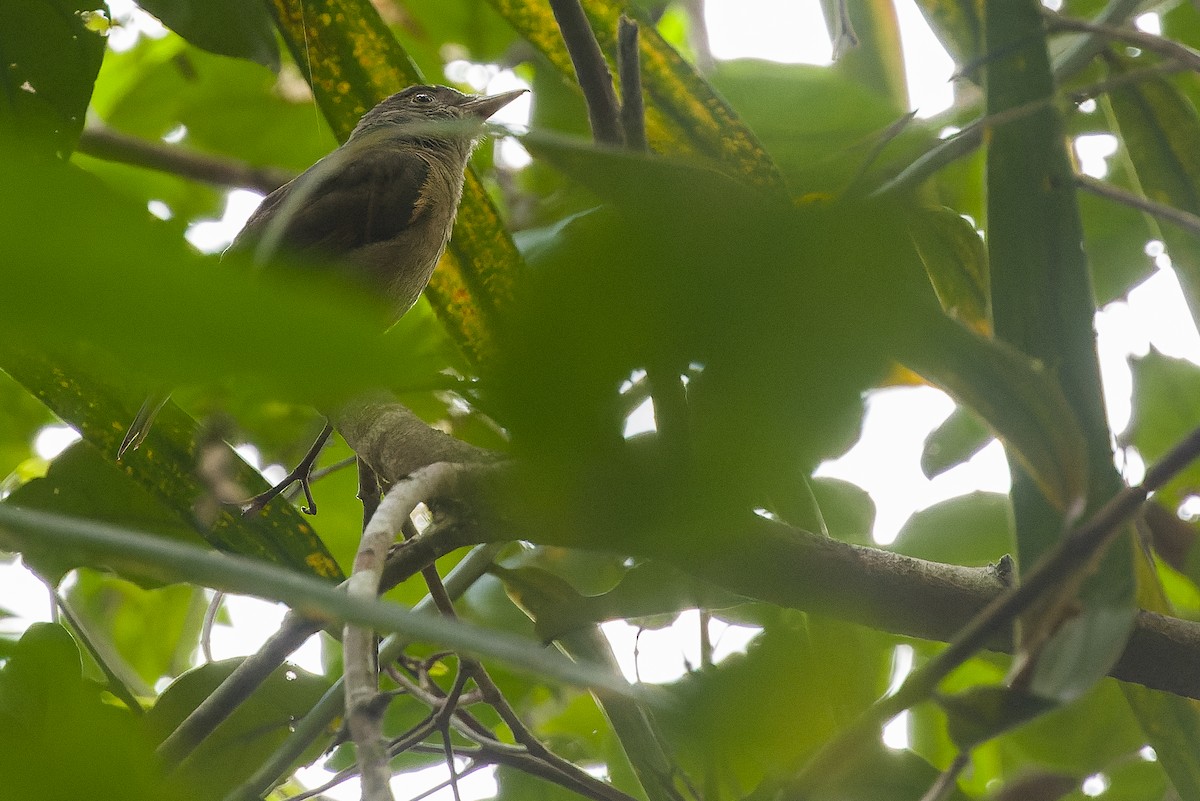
60	739
227	27
51	57
972	529
959	437
834	131
236	748
756	715
956	260
1165	407
124	613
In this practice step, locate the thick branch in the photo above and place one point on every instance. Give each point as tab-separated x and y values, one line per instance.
789	567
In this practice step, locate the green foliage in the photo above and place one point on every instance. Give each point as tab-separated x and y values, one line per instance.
745	277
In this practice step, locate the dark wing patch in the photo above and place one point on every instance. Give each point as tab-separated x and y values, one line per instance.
371	198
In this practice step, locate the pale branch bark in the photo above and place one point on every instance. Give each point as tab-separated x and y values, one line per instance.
789	567
317	722
295	630
364	715
591	70
104	143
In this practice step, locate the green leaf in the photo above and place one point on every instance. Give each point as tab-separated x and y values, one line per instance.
973	529
1166	406
1173	727
81	482
170	561
124	613
1019	399
983	712
227	27
822	152
956	260
758	715
51	57
232	752
60	739
957	439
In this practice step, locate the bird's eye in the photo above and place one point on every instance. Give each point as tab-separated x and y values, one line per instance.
423	98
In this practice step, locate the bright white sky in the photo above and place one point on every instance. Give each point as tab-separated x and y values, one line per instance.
886	460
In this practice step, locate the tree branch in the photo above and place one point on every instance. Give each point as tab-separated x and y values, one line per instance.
782	565
1160	211
105	143
592	71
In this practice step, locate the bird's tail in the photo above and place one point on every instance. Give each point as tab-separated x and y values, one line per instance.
141	424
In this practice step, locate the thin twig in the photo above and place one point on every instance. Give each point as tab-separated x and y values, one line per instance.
1160	211
1167	48
104	143
633	109
210	620
964	141
591	70
947	782
495	698
301	473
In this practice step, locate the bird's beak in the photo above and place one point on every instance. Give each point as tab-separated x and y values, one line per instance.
484	107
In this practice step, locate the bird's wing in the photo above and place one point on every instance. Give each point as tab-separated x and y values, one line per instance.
366	198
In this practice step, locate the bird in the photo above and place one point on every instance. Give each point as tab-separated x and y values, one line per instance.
379	209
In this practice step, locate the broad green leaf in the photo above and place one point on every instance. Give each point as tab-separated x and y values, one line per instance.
956	260
167	86
227	27
981	713
1115	238
973	529
757	715
1172	725
958	25
353	67
123	613
235	748
1166	406
23	416
59	737
844	145
50	56
1020	400
957	439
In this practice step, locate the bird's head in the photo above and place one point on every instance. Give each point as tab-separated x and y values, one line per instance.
433	116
